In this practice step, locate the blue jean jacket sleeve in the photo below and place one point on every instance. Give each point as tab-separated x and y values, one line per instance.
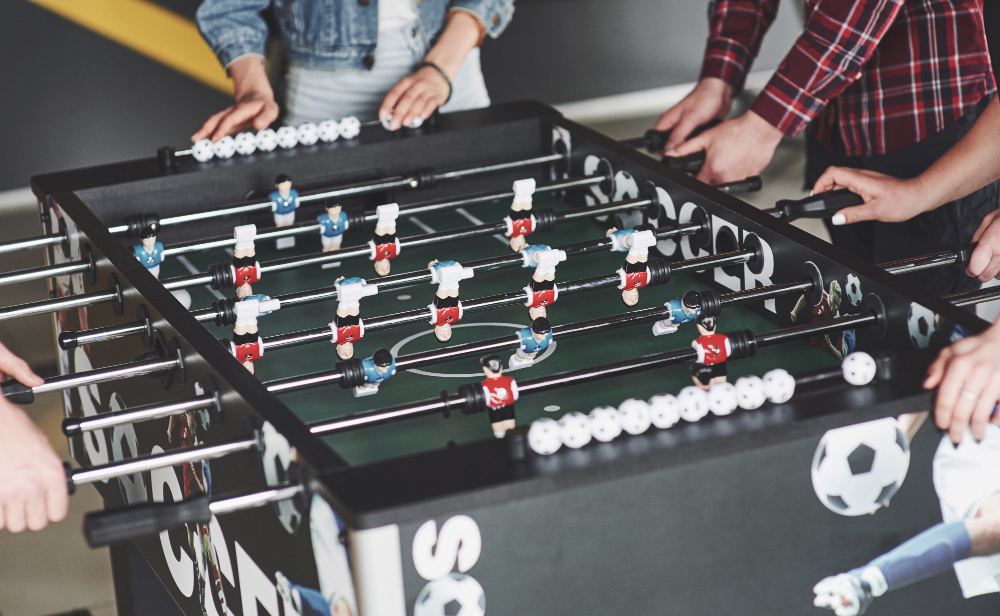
233	28
493	14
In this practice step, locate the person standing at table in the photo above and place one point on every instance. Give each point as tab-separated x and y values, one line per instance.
885	85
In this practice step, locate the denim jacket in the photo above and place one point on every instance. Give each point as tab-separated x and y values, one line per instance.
327	34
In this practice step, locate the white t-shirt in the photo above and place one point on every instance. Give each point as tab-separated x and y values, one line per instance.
396	13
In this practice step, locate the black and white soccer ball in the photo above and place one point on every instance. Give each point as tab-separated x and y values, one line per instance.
921	323
853	290
456	594
857	469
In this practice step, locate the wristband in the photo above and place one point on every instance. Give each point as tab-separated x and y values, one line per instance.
441	72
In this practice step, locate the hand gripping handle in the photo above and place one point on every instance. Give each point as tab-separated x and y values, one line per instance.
102	528
822	205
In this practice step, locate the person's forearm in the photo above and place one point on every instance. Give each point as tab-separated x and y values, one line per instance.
249	76
462	34
970	164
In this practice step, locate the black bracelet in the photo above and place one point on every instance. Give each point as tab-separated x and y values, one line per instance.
438	69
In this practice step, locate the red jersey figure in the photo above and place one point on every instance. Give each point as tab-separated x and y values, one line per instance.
500	392
713	350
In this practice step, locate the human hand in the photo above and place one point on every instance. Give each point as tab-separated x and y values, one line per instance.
734	150
711	98
18	368
255	106
887	199
414	96
985	261
967	375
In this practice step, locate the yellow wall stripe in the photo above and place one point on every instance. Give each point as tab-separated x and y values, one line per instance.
151	30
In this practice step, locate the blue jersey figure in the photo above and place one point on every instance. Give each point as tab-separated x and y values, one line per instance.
527	251
332	225
534	340
260	297
682	310
284	202
150	252
619	239
377	369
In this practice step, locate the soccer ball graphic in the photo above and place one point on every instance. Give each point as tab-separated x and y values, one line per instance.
921	324
857	469
456	594
853	289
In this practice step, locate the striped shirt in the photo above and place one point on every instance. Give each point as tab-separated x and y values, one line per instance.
883	74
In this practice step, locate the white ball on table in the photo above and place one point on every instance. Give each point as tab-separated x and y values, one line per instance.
694	403
225	147
544	436
635	416
266	140
858	368
350	127
308	133
574	430
605	423
750	392
288	137
329	130
664	411
202	150
246	144
779	385
722	399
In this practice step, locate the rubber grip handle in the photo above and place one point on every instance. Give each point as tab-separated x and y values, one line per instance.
751	184
822	205
691	163
102	528
17	393
656	140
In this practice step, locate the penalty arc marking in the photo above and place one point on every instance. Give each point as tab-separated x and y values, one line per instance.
399	345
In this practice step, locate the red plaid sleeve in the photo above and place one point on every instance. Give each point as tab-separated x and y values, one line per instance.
736	29
840	37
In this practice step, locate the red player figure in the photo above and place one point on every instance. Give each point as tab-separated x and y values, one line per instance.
246	344
634	273
713	350
501	392
196	480
542	291
446	310
246	270
385	245
347	326
827	308
520	221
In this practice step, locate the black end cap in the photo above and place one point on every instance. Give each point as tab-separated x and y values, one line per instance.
659	271
711	303
743	344
475	399
545	219
352	374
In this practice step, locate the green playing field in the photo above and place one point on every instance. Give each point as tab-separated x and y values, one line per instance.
573	353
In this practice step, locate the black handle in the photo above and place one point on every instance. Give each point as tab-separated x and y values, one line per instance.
822	205
655	140
102	528
691	163
17	393
750	184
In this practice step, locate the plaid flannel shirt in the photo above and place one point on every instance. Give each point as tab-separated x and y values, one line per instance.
883	73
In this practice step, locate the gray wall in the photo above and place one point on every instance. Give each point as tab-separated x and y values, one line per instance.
72	98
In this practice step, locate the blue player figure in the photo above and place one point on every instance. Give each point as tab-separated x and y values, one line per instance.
150	252
682	310
284	202
378	368
534	340
332	225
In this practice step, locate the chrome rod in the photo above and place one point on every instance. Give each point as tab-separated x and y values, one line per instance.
76	425
917	264
55	305
101	375
163	460
257	499
977	296
48	271
40	241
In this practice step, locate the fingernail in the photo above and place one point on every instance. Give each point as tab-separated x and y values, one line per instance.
812	193
838	219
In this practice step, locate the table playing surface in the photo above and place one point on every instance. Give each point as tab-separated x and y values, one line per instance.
414	435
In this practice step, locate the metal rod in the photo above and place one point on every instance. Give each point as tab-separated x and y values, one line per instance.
40	241
100	375
76	425
163	460
738	298
90	336
976	296
257	499
425	407
48	271
229	240
917	264
390	183
711	261
55	305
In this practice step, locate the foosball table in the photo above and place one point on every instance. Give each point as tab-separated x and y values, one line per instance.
340	370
